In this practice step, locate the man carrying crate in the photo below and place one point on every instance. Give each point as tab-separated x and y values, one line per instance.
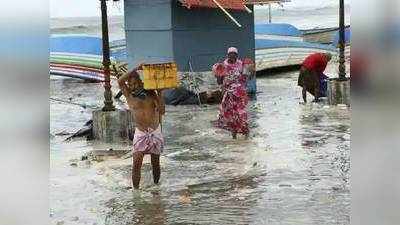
147	107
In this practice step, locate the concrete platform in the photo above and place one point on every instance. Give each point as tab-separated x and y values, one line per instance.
338	92
114	126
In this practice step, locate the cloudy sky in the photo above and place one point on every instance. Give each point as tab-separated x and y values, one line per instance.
84	8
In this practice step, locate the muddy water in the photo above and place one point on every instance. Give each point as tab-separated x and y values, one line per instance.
293	170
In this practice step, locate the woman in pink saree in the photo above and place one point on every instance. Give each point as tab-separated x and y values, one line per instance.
232	112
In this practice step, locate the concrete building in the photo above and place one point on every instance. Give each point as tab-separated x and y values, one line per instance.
186	31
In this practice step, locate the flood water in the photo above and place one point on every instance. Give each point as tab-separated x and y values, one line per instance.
293	170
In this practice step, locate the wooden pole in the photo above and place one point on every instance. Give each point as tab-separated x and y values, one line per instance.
227	13
342	42
108	102
247	9
269	13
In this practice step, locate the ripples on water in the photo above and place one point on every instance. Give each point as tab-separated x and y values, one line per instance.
293	170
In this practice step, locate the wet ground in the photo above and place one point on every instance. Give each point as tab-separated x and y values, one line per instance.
293	170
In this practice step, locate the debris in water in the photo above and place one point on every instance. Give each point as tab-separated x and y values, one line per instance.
86	131
63	133
185	198
75	218
102	155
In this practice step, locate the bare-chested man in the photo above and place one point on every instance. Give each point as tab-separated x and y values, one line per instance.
147	107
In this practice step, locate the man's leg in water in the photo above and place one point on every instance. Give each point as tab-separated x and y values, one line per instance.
136	168
302	83
304	94
316	86
155	164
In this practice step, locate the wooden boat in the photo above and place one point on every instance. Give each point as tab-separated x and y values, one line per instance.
321	35
80	56
282	45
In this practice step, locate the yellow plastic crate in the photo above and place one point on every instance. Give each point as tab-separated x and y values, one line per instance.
160	76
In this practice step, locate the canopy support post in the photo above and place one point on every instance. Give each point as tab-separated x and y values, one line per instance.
227	13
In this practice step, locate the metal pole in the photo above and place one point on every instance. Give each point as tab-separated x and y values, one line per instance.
269	13
108	102
342	42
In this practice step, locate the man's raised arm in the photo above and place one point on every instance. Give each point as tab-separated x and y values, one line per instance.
124	78
122	83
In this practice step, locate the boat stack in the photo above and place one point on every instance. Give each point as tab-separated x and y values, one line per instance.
81	57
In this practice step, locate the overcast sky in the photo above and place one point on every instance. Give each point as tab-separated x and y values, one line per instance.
84	8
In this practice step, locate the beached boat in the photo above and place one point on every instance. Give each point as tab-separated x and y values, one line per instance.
276	45
81	57
347	39
321	35
282	45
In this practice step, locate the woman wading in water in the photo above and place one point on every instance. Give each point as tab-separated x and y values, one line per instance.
232	112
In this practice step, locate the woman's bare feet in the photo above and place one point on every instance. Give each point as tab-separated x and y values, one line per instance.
234	135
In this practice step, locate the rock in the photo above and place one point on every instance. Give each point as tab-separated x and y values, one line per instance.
75	218
241	198
184	198
60	222
74	164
